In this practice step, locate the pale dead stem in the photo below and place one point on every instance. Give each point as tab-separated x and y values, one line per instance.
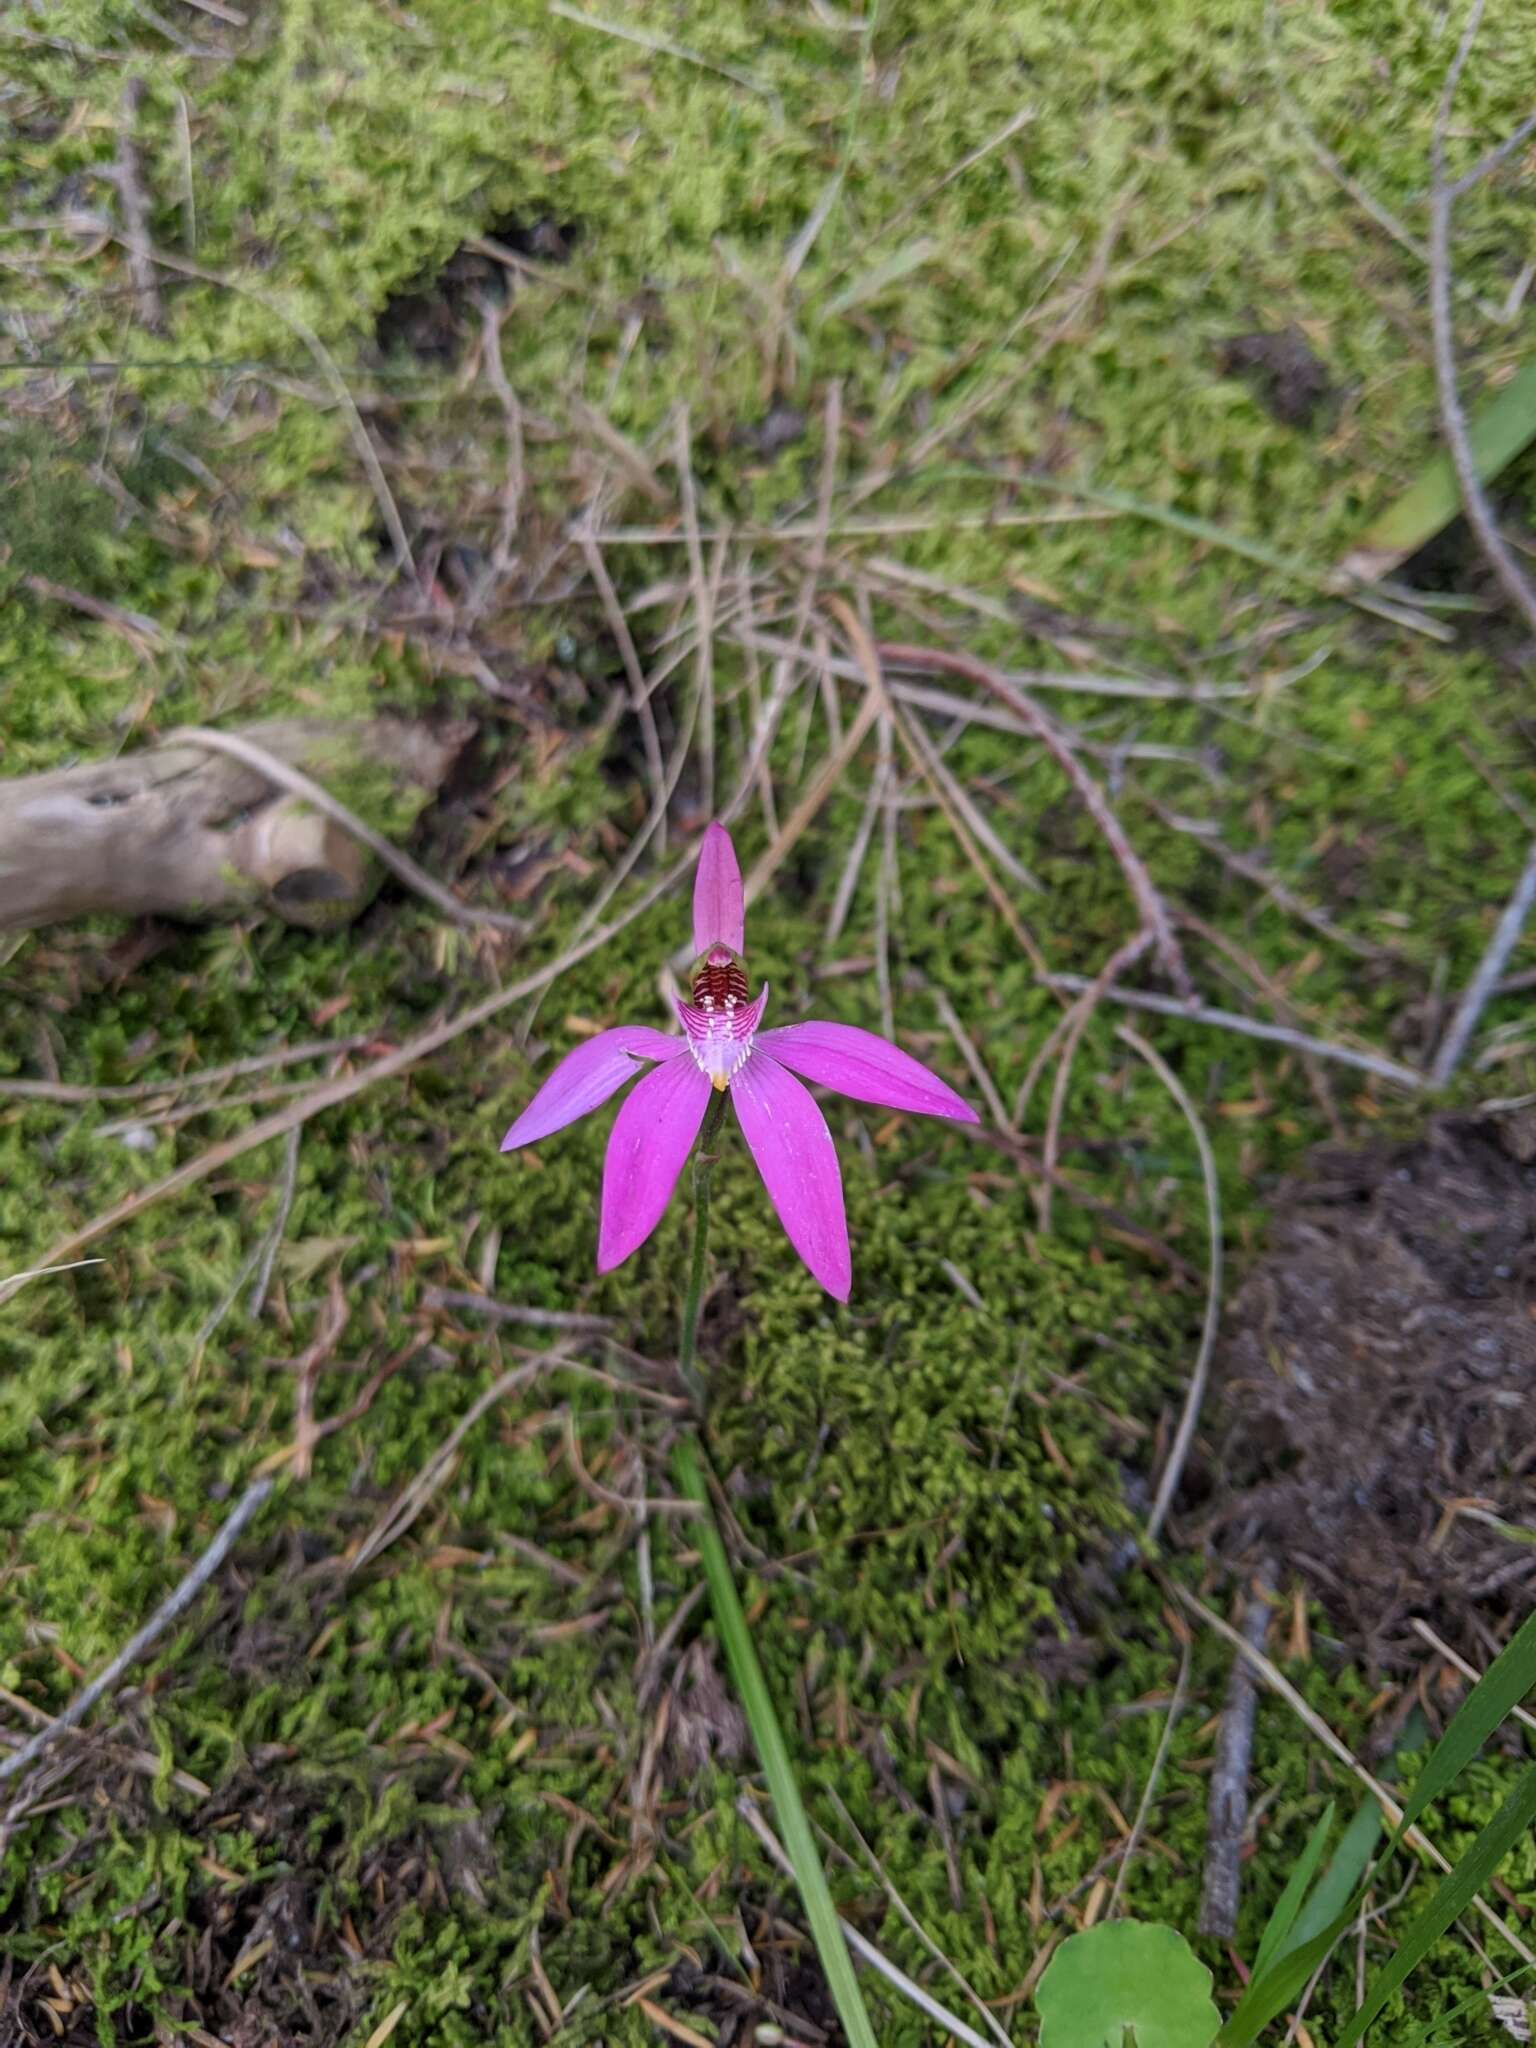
703	610
180	1084
283	775
1070	1032
175	1604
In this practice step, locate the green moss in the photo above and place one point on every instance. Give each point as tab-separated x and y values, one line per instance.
930	1491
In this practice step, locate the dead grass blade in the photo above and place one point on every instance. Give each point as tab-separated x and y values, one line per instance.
1150	905
1184	1436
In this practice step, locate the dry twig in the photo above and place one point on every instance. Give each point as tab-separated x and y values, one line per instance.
332	1093
1173	1471
1253	1027
1414	1837
285	776
1150	905
1227	1805
174	1605
1506	936
127	176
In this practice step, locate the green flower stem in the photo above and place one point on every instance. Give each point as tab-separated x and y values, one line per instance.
736	1641
703	1166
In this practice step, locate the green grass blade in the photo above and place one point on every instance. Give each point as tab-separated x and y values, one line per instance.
1266	1996
1338	1887
1272	1943
1452	1898
1313	1931
1498	430
773	1754
1333	582
1508	1679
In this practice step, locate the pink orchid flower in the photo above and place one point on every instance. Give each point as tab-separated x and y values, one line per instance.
723	1048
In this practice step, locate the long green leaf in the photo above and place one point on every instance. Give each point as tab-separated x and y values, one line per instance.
1452	1898
773	1753
1505	1683
1271	1994
1496	432
1339	1886
1273	1941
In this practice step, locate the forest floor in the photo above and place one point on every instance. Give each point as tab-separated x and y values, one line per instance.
518	363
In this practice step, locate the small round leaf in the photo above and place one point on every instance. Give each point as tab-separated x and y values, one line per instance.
1126	1983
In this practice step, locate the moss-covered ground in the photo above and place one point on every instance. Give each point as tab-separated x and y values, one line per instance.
451	1791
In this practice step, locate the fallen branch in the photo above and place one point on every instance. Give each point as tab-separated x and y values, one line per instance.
169	1609
1227	1808
171	831
242	747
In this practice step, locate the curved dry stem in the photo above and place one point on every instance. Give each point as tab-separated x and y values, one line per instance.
283	775
1184	1436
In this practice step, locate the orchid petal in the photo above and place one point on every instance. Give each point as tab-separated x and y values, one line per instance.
868	1068
652	1135
719	918
789	1139
586	1078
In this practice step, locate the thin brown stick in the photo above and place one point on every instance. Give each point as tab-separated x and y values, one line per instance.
178	1084
266	1257
823	783
703	609
618	625
949	1017
870	668
176	1603
508	1312
1153	910
330	369
285	776
331	1093
1453	418
1283	897
938	773
502	558
136	626
1227	1804
414	1496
